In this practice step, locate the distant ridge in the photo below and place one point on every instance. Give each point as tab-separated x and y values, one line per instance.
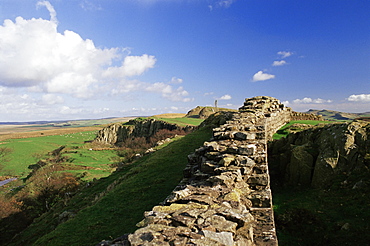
45	122
203	112
337	115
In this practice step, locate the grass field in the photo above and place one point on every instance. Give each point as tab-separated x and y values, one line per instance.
27	151
284	131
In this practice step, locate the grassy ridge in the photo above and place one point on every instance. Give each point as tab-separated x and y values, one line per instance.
136	188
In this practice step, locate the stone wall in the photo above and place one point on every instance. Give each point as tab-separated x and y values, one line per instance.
224	197
304	116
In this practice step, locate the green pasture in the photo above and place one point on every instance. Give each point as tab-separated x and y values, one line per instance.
284	131
28	151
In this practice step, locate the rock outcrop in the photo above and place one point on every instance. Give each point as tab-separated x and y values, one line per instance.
118	132
315	157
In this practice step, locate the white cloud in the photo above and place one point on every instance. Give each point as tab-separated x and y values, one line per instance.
50	8
278	63
310	100
225	97
34	54
359	98
68	110
225	3
285	54
175	80
52	99
261	76
44	73
90	6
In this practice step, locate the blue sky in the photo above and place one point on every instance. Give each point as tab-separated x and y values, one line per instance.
81	59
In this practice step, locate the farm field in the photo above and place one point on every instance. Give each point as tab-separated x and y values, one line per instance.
27	151
37	129
297	125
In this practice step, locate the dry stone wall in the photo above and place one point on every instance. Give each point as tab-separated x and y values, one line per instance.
224	197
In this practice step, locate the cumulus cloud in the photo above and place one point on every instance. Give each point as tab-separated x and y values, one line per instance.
225	97
34	54
310	100
278	63
359	98
285	54
261	76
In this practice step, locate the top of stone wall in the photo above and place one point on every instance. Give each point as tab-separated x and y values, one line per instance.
264	104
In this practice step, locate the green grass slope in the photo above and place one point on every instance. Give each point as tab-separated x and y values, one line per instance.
113	205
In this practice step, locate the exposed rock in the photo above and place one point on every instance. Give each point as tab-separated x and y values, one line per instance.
316	156
117	132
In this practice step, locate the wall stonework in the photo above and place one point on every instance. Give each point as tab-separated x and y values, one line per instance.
224	197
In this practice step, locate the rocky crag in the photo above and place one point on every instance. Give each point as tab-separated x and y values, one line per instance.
118	132
225	196
317	156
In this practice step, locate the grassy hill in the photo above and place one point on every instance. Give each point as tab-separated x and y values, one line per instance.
336	115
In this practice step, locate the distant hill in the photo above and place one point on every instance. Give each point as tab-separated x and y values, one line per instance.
336	115
203	112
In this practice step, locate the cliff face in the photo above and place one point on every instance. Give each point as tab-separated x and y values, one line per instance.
315	157
116	133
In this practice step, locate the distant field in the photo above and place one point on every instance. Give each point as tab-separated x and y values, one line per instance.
29	143
25	130
182	121
42	132
284	131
